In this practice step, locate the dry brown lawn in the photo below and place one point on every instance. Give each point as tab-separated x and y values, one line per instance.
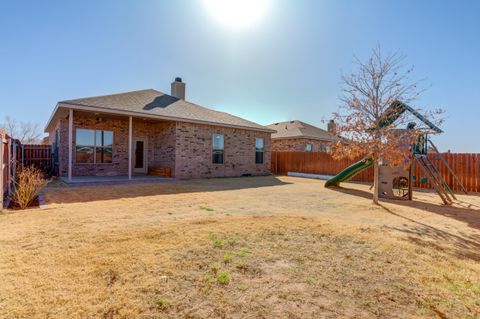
262	247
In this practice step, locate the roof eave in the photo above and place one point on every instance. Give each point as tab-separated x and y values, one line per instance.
81	107
45	129
304	137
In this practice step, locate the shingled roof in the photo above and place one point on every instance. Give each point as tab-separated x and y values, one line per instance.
299	129
154	104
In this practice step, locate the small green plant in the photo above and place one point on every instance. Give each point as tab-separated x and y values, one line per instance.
242	266
208	209
242	287
292	270
162	303
227	258
309	281
217	243
215	267
209	278
244	252
223	278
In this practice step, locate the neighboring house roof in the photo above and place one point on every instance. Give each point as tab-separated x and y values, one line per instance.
299	129
154	104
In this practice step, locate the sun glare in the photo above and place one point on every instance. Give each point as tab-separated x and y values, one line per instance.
237	14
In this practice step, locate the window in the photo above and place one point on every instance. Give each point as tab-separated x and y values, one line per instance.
308	147
93	146
218	148
325	148
259	150
85	142
104	146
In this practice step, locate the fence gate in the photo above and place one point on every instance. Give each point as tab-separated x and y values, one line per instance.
39	156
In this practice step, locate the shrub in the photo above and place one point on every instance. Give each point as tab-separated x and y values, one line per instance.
29	182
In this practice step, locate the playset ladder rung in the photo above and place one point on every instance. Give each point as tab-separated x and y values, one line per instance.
439	177
444	161
434	179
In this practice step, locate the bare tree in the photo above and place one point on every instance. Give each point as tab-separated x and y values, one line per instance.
26	132
366	96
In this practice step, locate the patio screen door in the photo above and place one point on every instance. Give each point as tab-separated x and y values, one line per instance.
140	163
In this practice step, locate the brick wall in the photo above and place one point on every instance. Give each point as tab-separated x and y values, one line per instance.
298	145
185	148
194	152
160	142
159	136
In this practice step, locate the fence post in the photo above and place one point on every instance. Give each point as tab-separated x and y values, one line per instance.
14	163
1	172
276	162
9	166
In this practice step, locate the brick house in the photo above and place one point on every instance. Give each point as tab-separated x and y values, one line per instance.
134	133
298	136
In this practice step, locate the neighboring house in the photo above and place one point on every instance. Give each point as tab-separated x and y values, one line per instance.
128	133
298	136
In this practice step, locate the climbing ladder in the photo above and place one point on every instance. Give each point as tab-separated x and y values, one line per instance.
438	156
432	173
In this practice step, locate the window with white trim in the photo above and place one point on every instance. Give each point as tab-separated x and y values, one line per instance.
218	147
308	147
259	150
93	146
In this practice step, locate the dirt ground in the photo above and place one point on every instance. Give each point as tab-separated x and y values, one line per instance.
258	247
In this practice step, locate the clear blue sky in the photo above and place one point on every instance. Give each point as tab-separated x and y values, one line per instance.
287	66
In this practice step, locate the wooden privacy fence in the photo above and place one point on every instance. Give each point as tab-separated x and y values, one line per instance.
466	167
36	155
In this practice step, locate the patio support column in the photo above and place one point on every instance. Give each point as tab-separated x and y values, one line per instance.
130	137
70	144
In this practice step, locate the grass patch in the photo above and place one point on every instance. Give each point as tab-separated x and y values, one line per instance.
244	252
224	278
215	268
227	258
309	281
217	243
162	303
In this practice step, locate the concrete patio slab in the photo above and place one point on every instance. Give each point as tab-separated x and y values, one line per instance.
93	180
